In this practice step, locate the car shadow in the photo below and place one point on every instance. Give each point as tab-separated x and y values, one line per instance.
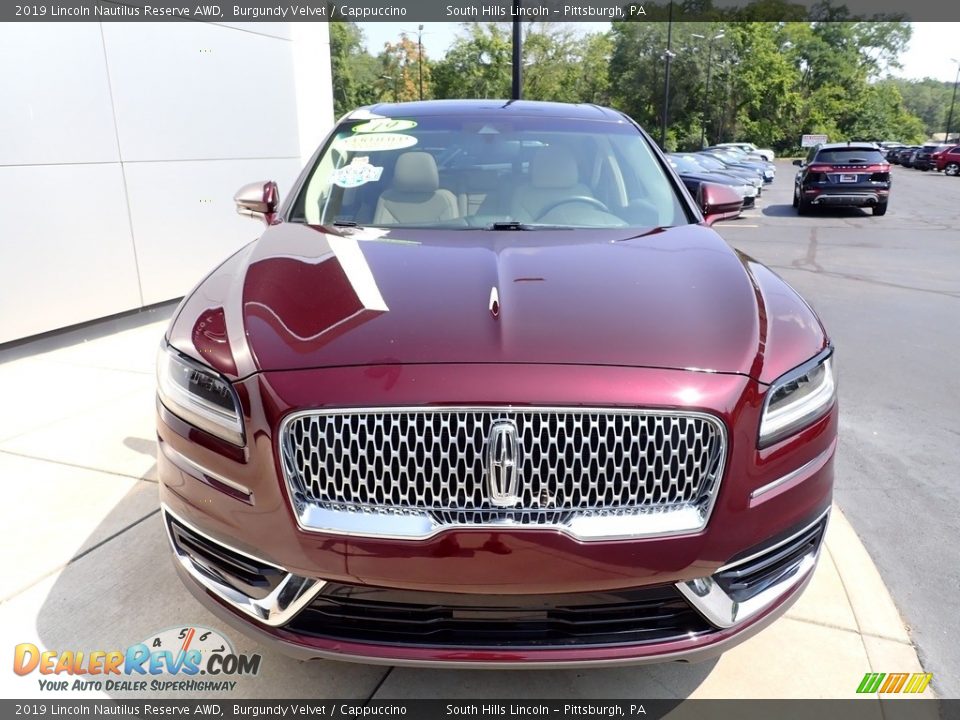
120	589
124	590
836	212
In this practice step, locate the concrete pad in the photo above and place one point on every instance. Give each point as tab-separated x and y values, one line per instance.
117	437
790	659
890	656
872	605
825	601
125	592
52	512
37	392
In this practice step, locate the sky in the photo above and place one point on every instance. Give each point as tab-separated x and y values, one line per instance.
929	54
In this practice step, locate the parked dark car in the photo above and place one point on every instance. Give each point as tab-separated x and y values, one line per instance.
740	159
949	161
712	163
842	175
907	158
693	176
535	413
892	153
925	158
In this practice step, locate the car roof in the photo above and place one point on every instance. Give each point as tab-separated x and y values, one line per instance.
852	145
528	108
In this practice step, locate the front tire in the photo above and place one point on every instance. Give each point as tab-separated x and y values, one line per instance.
796	202
952	169
880	209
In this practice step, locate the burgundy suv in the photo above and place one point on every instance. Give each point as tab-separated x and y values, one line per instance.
948	160
489	391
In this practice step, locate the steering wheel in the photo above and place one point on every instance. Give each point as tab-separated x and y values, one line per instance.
575	199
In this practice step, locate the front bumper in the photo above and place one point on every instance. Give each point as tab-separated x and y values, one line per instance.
689	621
236	500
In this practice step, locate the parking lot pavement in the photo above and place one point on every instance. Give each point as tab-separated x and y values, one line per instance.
90	566
888	290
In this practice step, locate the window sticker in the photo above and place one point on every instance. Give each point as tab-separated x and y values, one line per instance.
384	125
375	141
358	172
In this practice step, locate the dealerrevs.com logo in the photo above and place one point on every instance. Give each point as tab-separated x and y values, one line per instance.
172	659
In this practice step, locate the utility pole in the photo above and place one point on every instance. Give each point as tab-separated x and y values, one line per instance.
666	81
946	137
420	57
706	92
517	87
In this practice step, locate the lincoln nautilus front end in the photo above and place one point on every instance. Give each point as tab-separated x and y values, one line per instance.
490	391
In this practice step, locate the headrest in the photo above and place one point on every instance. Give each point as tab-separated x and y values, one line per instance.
416	172
553	167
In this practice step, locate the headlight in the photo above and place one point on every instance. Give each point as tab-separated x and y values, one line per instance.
198	395
798	398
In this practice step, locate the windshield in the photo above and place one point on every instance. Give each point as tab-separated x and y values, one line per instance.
685	163
850	155
486	172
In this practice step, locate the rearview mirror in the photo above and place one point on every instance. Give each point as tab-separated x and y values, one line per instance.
798	163
719	202
258	200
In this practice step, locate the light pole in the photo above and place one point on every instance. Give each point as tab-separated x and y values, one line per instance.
706	92
396	89
946	137
668	56
516	91
420	35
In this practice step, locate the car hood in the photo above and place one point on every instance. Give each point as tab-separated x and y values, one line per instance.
302	297
721	179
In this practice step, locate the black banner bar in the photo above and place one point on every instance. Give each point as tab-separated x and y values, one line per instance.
478	10
868	708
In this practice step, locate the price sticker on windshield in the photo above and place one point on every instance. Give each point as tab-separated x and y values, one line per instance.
384	125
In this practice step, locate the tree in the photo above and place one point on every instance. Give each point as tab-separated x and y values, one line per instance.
477	65
353	69
399	77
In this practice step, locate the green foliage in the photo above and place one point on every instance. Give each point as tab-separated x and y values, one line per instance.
773	76
929	100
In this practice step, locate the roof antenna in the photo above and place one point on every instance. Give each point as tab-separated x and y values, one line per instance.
517	53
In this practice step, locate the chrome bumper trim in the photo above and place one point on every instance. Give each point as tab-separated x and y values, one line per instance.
654	523
806	469
723	611
828	198
278	608
191	467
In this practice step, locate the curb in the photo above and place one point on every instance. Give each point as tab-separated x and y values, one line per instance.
885	636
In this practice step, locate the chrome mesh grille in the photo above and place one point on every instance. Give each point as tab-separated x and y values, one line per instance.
423	460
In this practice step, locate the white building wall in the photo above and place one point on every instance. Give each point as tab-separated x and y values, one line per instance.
123	144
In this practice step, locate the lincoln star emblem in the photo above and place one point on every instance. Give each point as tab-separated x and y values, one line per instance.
503	463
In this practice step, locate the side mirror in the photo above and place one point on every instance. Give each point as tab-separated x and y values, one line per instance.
798	163
258	200
719	202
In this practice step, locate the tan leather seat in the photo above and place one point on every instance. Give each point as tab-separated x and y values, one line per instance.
415	195
553	177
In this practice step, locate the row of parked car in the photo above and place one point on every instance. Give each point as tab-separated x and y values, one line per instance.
943	157
741	166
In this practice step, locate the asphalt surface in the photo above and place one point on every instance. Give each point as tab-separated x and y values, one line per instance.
888	290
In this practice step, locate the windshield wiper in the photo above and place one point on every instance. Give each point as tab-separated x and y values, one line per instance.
345	223
517	225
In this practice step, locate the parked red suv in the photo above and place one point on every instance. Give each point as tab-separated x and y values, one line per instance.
948	160
489	391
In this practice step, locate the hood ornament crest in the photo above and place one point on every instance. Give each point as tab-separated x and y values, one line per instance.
494	302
